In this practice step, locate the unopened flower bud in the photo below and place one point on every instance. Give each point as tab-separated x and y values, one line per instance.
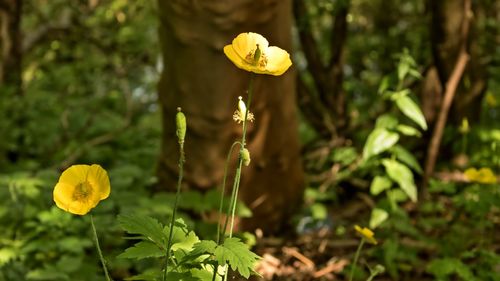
180	121
245	156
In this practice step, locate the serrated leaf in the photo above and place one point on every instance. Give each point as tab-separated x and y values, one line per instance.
377	217
146	226
406	157
183	276
183	240
141	250
408	130
203	247
379	141
379	184
411	110
403	176
237	255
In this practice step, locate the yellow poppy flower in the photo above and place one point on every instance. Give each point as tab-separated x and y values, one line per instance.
484	175
81	187
251	52
367	234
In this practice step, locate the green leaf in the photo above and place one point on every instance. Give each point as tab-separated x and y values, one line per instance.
344	155
408	130
443	267
319	211
149	227
237	255
379	184
403	176
149	275
377	217
386	121
183	239
203	247
141	250
411	110
406	157
396	195
379	141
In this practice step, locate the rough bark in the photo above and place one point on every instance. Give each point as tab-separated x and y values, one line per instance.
10	45
200	79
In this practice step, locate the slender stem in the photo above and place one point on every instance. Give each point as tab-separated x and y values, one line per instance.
98	247
223	191
221	204
172	221
236	184
356	258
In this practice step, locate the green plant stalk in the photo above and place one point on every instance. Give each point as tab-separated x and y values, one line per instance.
223	191
221	204
236	184
98	247
172	221
240	160
356	257
464	143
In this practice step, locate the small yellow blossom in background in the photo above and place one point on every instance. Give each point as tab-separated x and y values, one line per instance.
464	127
239	114
81	187
483	175
367	234
251	52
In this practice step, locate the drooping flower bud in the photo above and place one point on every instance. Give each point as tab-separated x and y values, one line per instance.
180	121
245	156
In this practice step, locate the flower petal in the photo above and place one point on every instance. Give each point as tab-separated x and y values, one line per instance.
75	174
63	195
278	60
247	42
241	63
98	178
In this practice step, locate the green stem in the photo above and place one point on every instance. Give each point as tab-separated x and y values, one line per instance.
236	184
98	247
356	256
223	191
172	221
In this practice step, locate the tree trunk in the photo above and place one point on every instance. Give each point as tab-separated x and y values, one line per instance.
447	16
10	45
199	78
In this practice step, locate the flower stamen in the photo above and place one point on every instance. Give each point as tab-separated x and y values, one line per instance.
82	192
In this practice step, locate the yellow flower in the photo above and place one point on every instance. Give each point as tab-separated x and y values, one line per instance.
484	175
81	187
366	234
464	127
251	52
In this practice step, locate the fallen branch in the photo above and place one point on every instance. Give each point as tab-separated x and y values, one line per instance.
451	87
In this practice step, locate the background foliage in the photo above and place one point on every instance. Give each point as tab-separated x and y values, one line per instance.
89	74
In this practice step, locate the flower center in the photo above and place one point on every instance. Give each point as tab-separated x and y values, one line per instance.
82	191
257	57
